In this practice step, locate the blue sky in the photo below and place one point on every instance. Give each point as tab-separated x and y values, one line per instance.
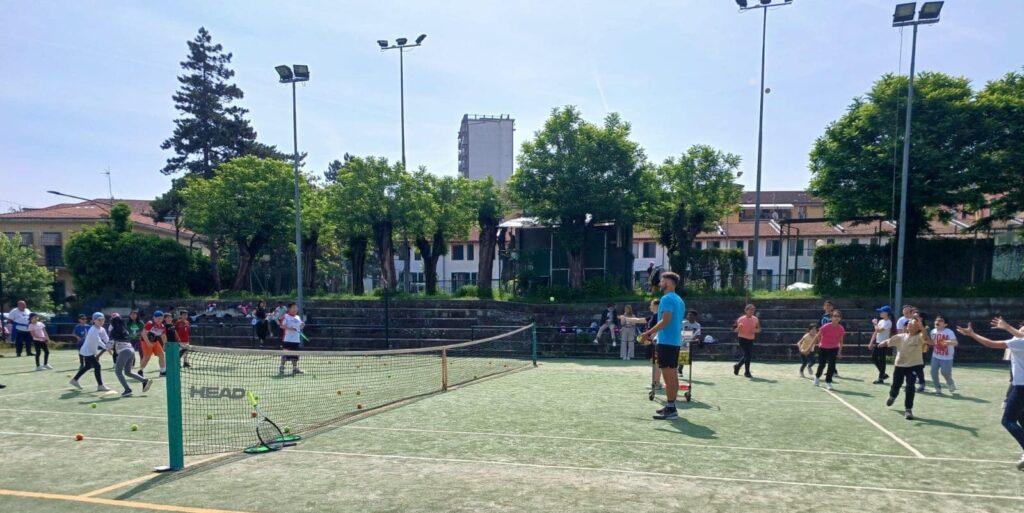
87	85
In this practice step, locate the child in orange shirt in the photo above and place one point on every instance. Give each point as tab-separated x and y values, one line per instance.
747	327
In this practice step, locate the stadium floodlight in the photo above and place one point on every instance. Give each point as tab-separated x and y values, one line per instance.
742	3
301	72
383	44
930	11
401	41
766	2
904	13
285	73
419	40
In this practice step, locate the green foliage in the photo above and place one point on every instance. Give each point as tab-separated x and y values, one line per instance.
440	209
573	168
705	267
21	277
120	218
467	291
250	202
1001	103
692	195
101	260
854	162
491	206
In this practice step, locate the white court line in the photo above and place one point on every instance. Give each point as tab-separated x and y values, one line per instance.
670	444
879	426
658	474
65	388
764	399
87	438
87	414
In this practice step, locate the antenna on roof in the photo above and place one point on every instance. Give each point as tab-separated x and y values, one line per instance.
110	187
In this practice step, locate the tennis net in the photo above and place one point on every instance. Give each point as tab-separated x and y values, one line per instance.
327	388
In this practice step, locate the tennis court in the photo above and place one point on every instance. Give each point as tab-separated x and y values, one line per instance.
569	435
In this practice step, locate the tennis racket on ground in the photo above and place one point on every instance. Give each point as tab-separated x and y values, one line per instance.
270	435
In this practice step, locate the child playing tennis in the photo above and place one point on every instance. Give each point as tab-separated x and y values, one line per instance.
121	338
81	329
942	356
806	348
747	327
830	344
37	330
182	335
292	341
95	341
909	362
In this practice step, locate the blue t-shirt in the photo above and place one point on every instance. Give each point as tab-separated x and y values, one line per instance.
81	330
672	335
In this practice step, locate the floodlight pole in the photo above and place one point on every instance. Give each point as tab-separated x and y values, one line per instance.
760	136
904	180
298	206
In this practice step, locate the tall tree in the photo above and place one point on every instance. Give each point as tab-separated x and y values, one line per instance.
21	278
574	173
249	201
440	210
855	164
490	206
368	193
1001	103
694	193
211	130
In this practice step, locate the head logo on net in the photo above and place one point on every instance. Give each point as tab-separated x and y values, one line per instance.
216	392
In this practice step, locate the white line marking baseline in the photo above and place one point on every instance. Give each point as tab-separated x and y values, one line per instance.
879	426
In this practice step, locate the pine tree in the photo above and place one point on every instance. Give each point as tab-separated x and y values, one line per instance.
211	130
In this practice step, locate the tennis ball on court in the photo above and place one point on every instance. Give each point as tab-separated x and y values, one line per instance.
135	427
93	405
359	406
79	437
474	377
389	376
209	416
287	429
359	392
69	375
339	392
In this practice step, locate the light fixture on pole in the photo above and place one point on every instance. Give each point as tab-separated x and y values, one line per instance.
902	17
401	44
764	5
292	75
106	208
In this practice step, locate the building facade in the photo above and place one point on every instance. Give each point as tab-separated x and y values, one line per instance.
486	147
47	229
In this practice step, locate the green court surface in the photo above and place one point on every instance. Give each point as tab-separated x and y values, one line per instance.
568	436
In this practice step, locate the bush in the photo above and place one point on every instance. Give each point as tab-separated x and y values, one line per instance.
467	291
104	260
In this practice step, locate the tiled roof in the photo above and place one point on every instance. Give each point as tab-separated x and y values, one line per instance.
90	211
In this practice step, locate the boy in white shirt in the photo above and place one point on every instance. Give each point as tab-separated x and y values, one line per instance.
1013	412
942	354
292	340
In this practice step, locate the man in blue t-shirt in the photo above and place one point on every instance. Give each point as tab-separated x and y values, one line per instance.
669	329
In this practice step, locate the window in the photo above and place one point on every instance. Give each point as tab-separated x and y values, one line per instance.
750	249
650	250
53	249
458	252
697	245
715	244
27	239
874	241
801	212
854	242
796	247
764	279
737	244
830	242
773	248
470	249
460	280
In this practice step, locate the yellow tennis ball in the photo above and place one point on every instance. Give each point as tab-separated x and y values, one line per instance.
209	416
93	405
135	427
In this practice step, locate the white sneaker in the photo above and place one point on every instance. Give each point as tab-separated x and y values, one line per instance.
613	344
816	381
828	386
1020	464
595	340
102	388
48	367
952	389
75	384
39	368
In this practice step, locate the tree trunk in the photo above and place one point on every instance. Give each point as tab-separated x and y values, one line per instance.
431	252
577	272
247	252
310	254
357	261
485	267
407	266
383	238
574	237
215	263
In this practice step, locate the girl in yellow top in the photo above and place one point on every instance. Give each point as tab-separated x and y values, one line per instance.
806	348
909	361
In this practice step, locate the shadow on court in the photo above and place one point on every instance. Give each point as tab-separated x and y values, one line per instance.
684	426
918	420
756	379
851	392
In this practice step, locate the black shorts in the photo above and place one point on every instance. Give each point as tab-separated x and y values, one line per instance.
668	356
291	346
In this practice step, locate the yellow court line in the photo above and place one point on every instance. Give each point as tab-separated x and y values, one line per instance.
146	477
110	502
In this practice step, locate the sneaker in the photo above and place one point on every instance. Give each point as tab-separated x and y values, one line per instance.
48	367
885	377
595	340
280	371
103	388
736	369
142	372
126	393
828	386
75	384
163	373
747	375
909	415
816	381
40	368
146	385
920	389
952	389
890	400
1020	464
297	370
667	414
877	382
613	344
3	386
938	391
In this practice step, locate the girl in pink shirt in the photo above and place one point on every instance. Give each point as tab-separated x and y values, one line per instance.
830	343
747	327
40	338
